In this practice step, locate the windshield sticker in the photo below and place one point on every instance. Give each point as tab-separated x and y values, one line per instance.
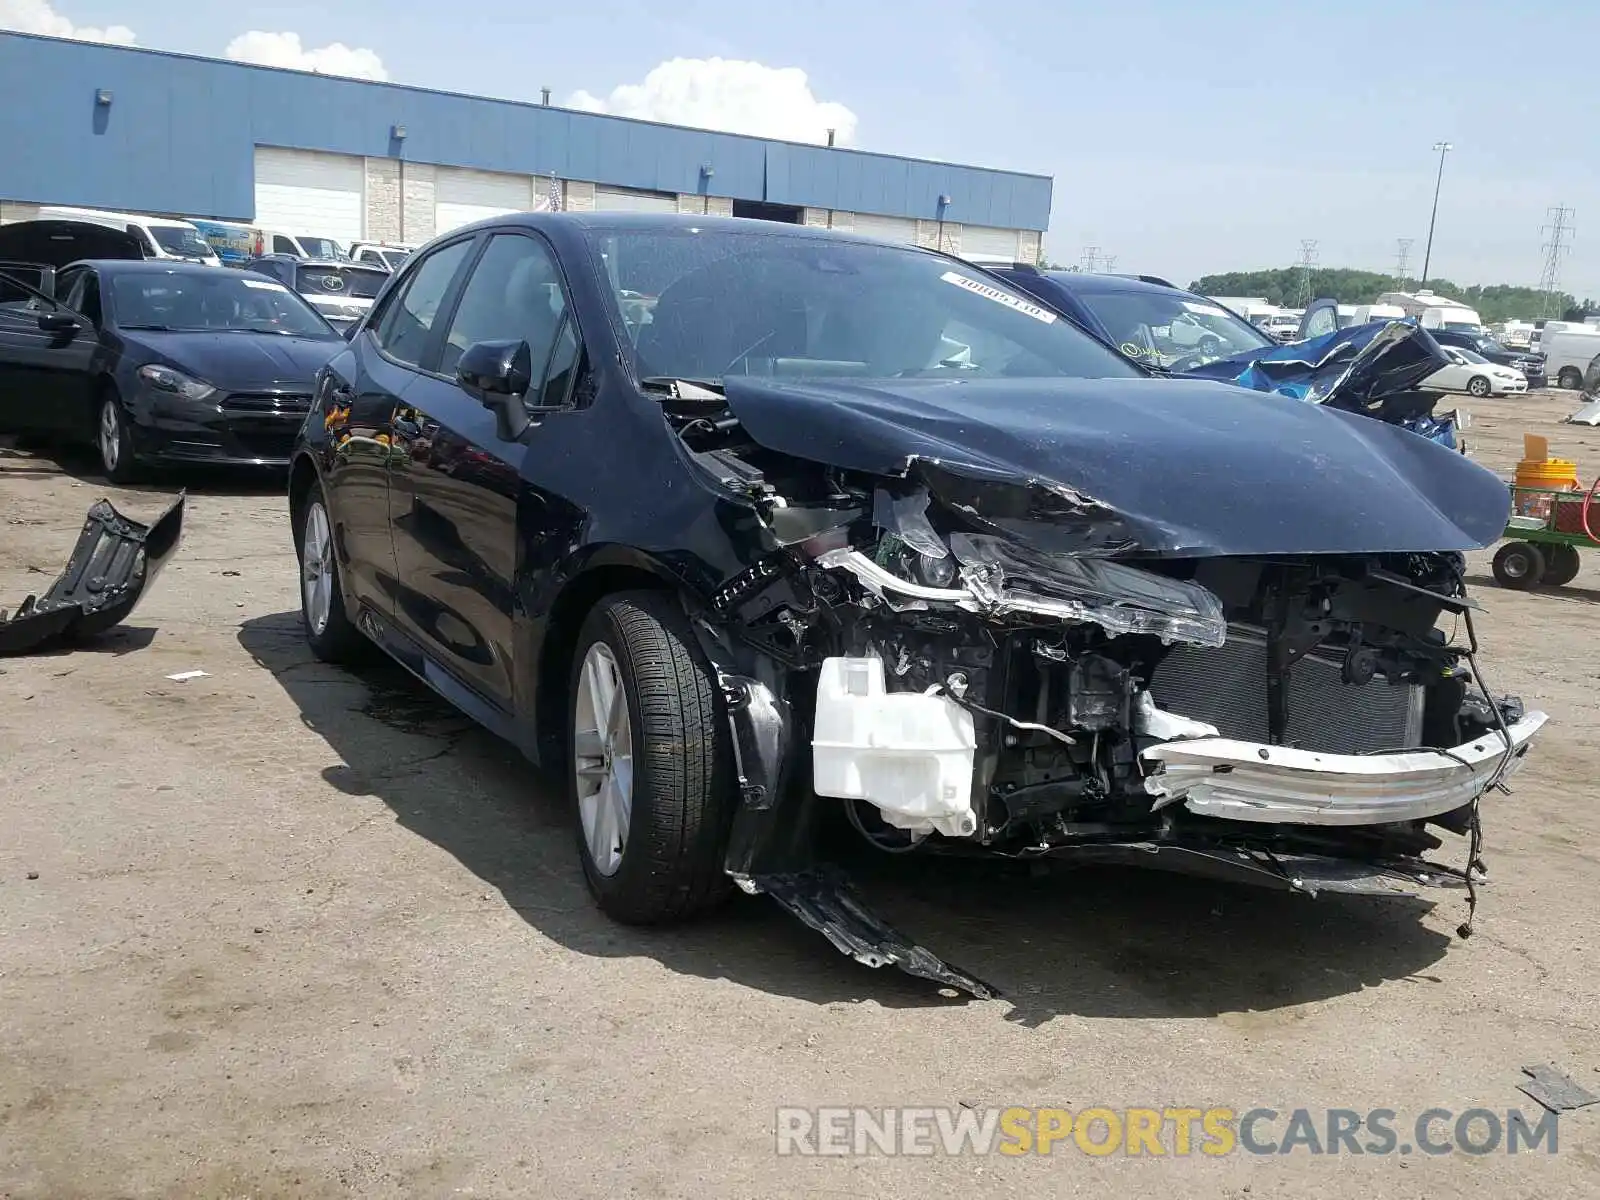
1205	310
999	297
264	285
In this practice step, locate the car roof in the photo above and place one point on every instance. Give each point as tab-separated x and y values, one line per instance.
1122	285
151	266
635	222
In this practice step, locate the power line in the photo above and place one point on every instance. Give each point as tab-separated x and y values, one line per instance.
1091	255
1402	254
1308	259
1555	246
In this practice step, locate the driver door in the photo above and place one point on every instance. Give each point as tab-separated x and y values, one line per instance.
45	381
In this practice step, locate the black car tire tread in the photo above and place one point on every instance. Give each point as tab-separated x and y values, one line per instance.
127	468
672	860
1570	378
1561	565
340	641
1507	576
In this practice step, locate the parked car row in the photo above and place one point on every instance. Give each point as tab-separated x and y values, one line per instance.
747	529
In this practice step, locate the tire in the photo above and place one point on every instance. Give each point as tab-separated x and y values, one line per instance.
113	439
329	631
1561	566
1478	386
1570	378
658	857
1518	566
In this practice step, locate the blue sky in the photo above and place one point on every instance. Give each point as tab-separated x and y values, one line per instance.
1183	137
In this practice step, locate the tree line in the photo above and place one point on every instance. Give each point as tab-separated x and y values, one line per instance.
1288	286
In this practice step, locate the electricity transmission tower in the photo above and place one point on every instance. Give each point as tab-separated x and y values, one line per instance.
1108	263
1091	256
1308	259
1556	234
1402	253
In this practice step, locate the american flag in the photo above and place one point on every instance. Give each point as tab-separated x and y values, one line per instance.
551	200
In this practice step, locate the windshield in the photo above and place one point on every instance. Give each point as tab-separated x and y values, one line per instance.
175	239
212	300
1490	346
316	247
1461	326
1167	328
394	257
701	305
363	283
1476	359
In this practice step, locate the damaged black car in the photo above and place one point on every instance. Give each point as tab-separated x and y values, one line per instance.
746	528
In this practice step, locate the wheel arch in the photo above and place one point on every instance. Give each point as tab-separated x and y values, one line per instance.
303	474
605	572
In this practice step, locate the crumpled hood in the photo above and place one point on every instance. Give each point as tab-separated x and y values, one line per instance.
50	243
240	361
1356	369
1167	467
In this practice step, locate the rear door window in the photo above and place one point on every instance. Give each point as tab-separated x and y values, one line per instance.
404	329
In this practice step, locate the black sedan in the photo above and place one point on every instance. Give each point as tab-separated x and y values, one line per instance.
744	527
1530	364
158	361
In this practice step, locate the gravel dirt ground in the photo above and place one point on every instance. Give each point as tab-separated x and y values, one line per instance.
286	930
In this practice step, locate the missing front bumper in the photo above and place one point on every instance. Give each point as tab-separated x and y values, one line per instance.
1245	781
113	563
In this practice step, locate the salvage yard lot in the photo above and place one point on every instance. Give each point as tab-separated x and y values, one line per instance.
301	931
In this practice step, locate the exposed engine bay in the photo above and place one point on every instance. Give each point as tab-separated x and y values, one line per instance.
1009	666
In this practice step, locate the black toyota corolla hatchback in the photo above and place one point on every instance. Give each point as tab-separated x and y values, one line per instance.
743	527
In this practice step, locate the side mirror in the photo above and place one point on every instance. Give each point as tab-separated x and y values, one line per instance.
499	375
58	322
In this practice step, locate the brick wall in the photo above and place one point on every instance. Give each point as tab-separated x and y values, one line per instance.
719	206
15	210
383	200
418	202
1028	251
577	195
691	203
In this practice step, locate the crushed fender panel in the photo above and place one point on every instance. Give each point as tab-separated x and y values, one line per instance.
110	568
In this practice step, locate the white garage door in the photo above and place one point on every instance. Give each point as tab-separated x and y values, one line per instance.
887	229
461	196
303	191
986	241
628	200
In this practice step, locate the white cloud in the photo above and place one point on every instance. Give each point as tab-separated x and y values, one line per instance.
37	16
285	50
730	95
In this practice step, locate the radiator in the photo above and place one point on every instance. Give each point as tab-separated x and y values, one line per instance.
1227	687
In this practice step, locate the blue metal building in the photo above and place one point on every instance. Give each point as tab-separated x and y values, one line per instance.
151	132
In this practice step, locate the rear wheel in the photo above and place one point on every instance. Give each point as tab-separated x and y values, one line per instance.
649	773
1561	566
1519	565
114	441
1478	386
1570	377
329	631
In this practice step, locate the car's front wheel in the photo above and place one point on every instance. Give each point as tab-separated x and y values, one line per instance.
114	440
329	631
1478	386
649	771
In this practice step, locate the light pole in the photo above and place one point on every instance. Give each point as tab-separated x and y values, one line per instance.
1443	148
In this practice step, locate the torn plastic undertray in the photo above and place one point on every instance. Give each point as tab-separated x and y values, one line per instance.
824	900
114	562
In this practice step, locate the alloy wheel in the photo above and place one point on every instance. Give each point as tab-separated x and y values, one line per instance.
316	569
110	435
602	754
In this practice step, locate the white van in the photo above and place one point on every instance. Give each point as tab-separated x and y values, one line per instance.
160	237
300	245
1568	348
1367	313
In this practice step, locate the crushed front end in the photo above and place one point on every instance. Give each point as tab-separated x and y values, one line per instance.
970	662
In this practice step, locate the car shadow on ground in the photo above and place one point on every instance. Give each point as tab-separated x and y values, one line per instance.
82	464
1099	942
1586	595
